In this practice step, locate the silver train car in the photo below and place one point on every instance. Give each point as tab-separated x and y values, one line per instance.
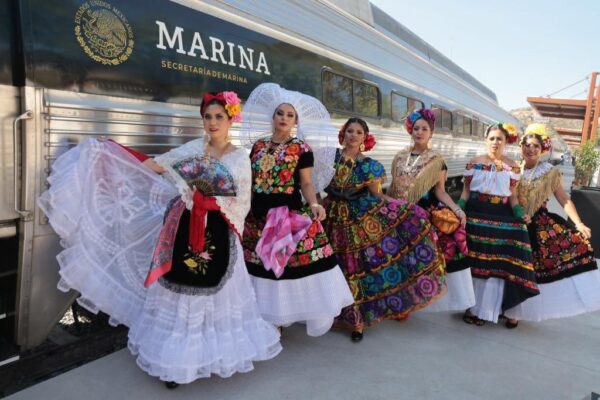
134	70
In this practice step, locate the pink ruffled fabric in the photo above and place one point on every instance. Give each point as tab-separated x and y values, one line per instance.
280	236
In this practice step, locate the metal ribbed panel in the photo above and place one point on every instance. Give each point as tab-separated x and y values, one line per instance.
319	23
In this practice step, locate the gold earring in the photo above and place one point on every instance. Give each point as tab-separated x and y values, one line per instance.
362	147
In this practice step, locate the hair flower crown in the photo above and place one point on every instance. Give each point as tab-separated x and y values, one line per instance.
230	100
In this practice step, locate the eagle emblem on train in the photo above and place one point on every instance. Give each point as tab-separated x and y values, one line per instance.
103	32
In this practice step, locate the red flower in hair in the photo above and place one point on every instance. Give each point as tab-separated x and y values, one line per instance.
369	141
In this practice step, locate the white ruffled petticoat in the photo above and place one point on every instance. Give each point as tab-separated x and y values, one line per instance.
567	297
460	296
315	300
489	294
108	210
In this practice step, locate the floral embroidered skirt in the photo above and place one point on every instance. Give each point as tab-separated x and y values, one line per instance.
312	288
565	269
499	247
388	254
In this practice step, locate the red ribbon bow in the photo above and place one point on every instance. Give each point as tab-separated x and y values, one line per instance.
208	97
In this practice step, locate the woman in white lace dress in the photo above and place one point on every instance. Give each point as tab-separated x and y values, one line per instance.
163	256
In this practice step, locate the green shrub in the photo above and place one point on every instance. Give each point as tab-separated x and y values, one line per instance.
586	162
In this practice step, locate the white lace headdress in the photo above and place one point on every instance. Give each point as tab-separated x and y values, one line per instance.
314	125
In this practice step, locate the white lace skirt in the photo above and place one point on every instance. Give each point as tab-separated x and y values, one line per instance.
460	294
567	297
315	300
108	210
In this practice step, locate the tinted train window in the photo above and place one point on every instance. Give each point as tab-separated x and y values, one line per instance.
443	118
337	91
399	107
366	99
467	127
402	106
476	128
459	124
415	105
446	119
341	93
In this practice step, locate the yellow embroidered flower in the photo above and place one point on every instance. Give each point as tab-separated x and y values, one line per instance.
544	235
190	263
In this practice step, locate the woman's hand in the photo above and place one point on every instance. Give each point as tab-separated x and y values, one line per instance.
318	211
153	165
584	230
461	215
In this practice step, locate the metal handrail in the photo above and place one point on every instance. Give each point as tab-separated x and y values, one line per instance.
26	115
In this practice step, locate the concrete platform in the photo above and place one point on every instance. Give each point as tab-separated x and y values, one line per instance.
429	356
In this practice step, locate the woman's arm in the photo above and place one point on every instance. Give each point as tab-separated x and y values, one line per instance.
308	192
565	201
444	197
375	189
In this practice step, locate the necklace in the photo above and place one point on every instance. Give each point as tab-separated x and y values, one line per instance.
267	160
532	174
408	166
344	169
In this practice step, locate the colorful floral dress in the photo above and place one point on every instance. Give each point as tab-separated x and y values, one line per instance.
386	249
565	267
414	177
194	313
312	287
500	254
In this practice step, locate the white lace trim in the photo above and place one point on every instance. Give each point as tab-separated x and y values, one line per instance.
536	173
237	162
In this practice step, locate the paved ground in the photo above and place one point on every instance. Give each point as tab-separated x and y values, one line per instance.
430	356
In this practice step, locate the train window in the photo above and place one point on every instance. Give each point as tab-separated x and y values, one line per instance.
345	94
399	107
467	127
459	124
476	129
443	118
415	105
402	106
447	119
337	91
438	114
366	99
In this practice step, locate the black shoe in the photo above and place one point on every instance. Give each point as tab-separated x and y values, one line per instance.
511	324
356	336
171	385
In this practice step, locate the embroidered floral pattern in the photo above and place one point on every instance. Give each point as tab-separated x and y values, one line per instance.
560	250
385	249
273	165
197	262
314	246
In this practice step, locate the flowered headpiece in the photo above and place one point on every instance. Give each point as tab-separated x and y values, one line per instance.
541	131
414	116
369	138
229	100
509	130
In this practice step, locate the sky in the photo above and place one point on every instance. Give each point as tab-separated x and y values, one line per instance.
517	48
